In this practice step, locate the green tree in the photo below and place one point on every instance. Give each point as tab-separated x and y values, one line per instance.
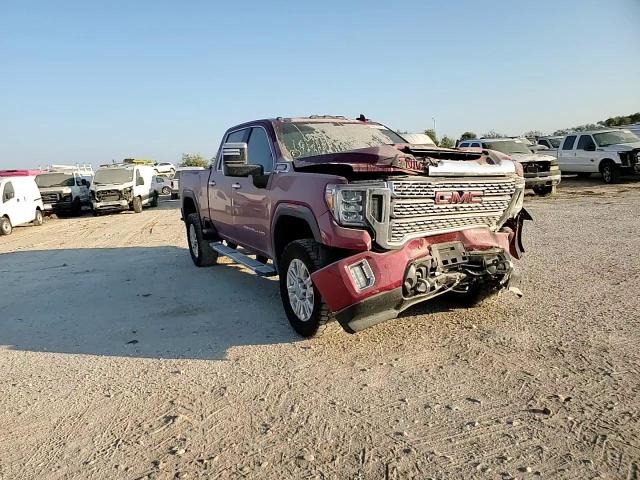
468	136
432	135
493	134
193	160
447	142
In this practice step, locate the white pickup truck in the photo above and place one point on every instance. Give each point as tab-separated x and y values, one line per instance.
611	152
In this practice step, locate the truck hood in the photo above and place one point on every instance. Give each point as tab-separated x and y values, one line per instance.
62	190
410	159
532	157
620	147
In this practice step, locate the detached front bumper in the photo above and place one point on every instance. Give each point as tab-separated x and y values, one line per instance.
59	206
358	308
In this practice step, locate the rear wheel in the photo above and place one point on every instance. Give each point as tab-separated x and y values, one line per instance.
137	205
610	172
306	310
39	220
5	226
166	190
201	252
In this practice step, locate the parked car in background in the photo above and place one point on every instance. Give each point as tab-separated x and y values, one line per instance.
634	128
552	143
165	168
541	171
20	202
65	188
123	187
162	185
610	152
421	139
175	181
358	224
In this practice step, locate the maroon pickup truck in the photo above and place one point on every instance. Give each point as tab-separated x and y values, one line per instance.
358	224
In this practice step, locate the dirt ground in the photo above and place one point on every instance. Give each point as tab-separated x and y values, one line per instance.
121	360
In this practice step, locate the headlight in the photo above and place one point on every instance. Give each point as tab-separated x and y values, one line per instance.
346	204
67	197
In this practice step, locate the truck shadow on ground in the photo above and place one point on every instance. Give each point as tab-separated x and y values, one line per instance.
134	302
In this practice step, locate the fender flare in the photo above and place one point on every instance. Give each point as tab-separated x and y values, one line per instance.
188	194
302	212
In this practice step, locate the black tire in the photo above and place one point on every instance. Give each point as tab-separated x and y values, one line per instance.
77	207
610	172
137	204
201	253
39	220
166	190
154	200
544	191
174	196
583	175
5	226
314	256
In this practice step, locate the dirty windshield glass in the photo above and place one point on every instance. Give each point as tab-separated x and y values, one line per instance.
309	139
45	180
508	147
113	175
605	139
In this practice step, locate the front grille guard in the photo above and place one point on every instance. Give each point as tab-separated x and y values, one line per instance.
382	228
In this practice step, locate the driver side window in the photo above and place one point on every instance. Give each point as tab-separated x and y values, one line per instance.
259	149
7	192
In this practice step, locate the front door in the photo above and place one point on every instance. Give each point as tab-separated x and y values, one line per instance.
251	203
585	160
567	154
220	190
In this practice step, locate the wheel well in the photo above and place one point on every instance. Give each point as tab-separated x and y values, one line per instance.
188	207
287	229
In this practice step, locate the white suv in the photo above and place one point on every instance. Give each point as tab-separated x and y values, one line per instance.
611	152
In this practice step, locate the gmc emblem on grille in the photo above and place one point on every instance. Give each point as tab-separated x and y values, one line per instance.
459	197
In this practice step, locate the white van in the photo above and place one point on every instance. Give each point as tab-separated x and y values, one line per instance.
20	203
123	187
65	188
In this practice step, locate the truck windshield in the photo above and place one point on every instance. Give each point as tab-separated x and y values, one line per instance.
605	139
508	146
308	139
116	176
45	180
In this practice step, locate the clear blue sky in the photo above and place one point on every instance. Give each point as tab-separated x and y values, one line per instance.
95	81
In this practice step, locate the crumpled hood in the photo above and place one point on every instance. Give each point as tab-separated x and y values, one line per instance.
531	157
620	147
62	190
411	160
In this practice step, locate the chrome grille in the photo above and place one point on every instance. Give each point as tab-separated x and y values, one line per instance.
414	211
50	197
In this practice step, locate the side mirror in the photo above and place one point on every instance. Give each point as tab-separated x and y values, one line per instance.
235	161
590	148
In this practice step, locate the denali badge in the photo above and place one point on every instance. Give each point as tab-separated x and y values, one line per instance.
459	197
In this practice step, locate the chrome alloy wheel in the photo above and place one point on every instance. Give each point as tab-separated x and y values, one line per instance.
300	289
193	240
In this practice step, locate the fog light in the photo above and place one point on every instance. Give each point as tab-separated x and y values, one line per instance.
362	275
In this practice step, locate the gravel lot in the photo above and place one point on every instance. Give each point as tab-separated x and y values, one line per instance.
120	359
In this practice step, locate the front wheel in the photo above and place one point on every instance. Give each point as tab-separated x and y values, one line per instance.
5	226
154	200
610	172
544	191
201	252
39	220
137	205
306	310
166	190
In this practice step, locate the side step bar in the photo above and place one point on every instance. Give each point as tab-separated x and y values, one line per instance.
259	268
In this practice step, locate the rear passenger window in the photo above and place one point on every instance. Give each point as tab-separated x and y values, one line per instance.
568	142
475	145
585	142
260	149
7	192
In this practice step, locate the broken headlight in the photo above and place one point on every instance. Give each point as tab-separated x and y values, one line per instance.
346	204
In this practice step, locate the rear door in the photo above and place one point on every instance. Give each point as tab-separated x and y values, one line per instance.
251	204
220	192
567	154
585	158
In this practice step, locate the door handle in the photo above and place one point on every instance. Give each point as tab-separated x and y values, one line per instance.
212	183
236	186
